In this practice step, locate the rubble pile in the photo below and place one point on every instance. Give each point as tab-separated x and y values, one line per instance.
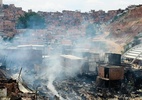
78	88
84	88
108	80
81	87
10	89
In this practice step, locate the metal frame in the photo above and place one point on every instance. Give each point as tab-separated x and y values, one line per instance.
134	53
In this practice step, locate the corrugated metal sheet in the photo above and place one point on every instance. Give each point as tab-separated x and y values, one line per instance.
134	53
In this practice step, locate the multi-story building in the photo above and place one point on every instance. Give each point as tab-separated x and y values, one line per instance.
11	15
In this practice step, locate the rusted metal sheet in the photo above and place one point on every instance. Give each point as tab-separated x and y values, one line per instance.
111	72
116	73
101	72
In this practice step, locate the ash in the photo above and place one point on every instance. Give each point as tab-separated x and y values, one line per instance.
84	87
81	87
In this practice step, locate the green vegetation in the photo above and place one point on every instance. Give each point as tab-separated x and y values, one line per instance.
117	17
5	6
31	20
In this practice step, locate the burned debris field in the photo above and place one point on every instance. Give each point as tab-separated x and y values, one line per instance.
70	55
68	77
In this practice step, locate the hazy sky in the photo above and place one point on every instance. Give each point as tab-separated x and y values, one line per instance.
82	5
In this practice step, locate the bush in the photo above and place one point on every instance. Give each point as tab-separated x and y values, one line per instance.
31	20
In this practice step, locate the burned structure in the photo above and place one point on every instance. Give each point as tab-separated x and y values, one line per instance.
86	73
134	57
110	71
27	57
72	64
91	62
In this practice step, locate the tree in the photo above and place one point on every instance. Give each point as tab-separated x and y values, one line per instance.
31	20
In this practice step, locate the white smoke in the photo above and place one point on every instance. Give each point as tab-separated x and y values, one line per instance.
53	69
50	85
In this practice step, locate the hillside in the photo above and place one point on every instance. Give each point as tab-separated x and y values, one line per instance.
126	25
115	28
122	28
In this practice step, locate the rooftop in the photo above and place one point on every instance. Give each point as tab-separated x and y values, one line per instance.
72	57
134	53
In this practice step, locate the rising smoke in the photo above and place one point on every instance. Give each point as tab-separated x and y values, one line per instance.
40	66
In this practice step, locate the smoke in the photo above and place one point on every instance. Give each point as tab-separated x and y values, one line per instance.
21	54
50	85
52	70
45	64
